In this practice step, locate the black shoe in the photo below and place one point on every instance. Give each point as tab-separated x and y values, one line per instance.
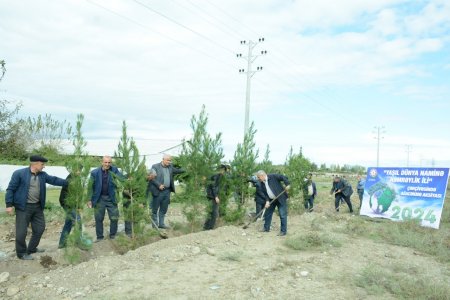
38	250
164	226
264	230
98	240
112	237
26	257
281	233
311	209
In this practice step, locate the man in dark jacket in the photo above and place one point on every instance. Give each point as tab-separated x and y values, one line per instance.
213	190
273	188
72	215
161	187
103	196
309	192
26	193
342	190
260	197
360	188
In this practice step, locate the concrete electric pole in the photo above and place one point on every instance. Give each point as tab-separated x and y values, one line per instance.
378	130
408	150
250	72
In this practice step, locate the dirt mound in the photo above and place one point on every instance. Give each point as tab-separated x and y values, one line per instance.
229	263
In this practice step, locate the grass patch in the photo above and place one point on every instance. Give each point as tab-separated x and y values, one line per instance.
311	240
406	234
378	281
232	256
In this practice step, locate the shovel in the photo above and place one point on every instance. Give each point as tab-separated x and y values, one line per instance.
262	211
162	235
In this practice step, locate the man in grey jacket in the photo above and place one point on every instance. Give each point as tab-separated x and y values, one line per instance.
161	187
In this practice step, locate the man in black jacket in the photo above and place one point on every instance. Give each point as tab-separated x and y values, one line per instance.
213	190
72	215
342	190
260	197
273	188
161	187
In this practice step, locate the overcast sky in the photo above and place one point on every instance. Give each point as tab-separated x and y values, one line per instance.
333	71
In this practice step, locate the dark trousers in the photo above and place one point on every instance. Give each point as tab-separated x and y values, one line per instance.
259	207
33	214
214	213
72	217
308	202
282	210
339	197
128	223
105	203
160	204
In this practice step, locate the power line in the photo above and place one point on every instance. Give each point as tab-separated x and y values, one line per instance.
184	26
159	33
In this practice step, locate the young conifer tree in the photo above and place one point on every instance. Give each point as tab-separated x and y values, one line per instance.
296	168
200	156
266	164
133	188
79	166
244	165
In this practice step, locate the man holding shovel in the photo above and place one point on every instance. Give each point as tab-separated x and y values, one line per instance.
272	186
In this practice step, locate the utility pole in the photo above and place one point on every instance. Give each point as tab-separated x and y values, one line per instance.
250	59
408	150
378	130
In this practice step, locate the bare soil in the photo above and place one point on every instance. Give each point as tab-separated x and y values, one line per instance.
226	263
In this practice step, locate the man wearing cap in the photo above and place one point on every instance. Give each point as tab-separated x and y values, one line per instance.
161	187
103	196
272	185
26	193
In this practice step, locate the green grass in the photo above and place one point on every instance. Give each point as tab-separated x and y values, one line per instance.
401	283
232	256
311	241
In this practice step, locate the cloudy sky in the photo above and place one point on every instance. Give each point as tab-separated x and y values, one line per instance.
333	71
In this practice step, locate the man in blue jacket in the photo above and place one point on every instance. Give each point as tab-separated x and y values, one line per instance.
103	196
26	193
273	188
161	187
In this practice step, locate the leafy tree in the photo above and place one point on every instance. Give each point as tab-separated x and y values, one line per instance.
13	136
134	188
2	68
47	134
200	156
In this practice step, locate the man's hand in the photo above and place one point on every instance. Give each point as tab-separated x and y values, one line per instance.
217	200
267	204
161	187
89	204
10	210
287	188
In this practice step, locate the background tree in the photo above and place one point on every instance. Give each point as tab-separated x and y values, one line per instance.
13	136
135	186
200	156
2	68
47	134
